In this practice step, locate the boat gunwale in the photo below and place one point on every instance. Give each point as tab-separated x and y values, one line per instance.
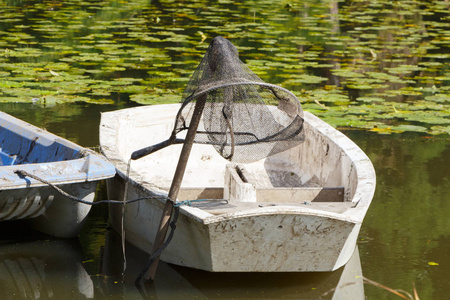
365	172
10	180
361	199
86	165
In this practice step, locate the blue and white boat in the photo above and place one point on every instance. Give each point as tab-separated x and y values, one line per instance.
70	167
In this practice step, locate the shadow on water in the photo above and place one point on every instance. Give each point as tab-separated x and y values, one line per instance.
175	282
35	266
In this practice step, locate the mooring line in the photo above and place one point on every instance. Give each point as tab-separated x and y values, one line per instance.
124	202
22	173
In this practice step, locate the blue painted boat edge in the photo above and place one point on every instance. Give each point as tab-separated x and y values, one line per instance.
86	169
30	132
86	164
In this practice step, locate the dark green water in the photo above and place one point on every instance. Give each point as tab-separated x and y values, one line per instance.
378	66
404	239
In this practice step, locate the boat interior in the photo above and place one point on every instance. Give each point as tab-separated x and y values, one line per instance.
21	143
315	174
267	183
243	190
220	187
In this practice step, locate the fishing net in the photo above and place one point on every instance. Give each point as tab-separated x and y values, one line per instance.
244	118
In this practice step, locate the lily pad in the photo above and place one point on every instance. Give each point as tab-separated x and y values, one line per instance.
405	127
367	65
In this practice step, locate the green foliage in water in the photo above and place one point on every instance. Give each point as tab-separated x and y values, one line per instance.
374	65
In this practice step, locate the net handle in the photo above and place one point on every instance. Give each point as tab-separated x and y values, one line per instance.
150	149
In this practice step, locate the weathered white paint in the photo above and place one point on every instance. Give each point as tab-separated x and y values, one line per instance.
280	235
235	189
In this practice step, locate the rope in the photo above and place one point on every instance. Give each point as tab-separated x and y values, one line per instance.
230	127
155	255
22	174
122	224
189	202
176	205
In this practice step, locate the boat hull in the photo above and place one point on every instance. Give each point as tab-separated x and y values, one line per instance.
47	210
269	241
345	283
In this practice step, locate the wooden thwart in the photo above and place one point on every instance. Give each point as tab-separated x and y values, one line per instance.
241	186
300	194
272	195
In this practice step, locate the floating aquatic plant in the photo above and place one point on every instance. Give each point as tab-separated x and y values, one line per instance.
376	65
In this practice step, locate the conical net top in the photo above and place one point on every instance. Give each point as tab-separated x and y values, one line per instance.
244	118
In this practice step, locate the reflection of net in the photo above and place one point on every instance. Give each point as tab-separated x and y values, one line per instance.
244	118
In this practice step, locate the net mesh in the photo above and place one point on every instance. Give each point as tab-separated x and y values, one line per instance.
244	118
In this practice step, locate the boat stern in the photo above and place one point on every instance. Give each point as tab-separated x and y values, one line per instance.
280	242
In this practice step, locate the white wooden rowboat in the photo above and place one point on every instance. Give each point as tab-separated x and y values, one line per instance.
299	210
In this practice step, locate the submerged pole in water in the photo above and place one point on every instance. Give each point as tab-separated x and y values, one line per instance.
176	184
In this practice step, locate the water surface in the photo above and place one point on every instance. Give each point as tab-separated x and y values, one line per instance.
379	66
404	239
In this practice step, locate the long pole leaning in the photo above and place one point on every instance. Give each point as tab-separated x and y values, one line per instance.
176	184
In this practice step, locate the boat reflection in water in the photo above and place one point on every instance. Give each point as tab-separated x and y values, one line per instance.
176	282
48	268
43	269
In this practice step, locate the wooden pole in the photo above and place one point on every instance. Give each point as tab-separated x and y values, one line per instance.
176	183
